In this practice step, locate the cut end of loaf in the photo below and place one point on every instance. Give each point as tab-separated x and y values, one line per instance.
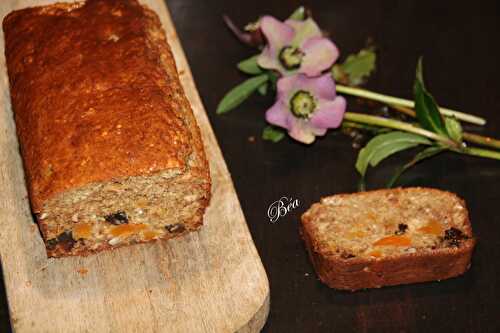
122	212
388	237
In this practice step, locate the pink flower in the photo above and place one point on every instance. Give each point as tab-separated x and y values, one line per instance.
296	47
306	106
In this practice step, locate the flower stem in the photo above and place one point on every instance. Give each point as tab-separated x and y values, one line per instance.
407	103
482	140
403	109
396	124
471	137
375	129
480	152
402	126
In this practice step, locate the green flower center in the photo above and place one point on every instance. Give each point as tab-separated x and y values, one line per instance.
302	104
290	57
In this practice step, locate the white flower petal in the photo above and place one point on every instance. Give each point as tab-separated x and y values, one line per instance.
329	114
301	131
320	54
278	34
304	30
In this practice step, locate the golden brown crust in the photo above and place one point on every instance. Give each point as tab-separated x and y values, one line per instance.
96	96
361	273
199	165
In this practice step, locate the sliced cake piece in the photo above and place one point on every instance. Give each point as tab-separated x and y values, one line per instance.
388	237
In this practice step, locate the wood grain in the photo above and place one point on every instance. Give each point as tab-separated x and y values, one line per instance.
209	281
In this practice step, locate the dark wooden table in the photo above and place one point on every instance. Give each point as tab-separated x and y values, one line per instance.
461	50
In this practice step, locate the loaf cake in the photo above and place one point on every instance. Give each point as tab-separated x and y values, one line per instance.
111	150
388	237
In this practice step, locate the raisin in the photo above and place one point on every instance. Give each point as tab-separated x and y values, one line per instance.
453	233
64	240
51	243
346	255
401	229
120	217
175	228
453	236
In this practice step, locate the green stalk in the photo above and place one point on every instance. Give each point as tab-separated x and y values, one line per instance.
370	128
480	152
402	126
398	125
470	137
482	140
407	103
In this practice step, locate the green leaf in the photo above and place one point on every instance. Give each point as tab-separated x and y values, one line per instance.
240	93
250	66
263	89
339	75
426	107
299	14
384	145
272	133
424	154
356	68
454	128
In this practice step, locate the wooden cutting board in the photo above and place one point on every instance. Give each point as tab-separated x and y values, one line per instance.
209	281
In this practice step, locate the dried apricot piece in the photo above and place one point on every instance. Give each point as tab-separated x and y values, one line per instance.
432	228
393	241
125	230
82	230
376	254
150	234
356	234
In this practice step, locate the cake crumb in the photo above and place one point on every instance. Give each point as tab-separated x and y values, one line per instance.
82	271
251	139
